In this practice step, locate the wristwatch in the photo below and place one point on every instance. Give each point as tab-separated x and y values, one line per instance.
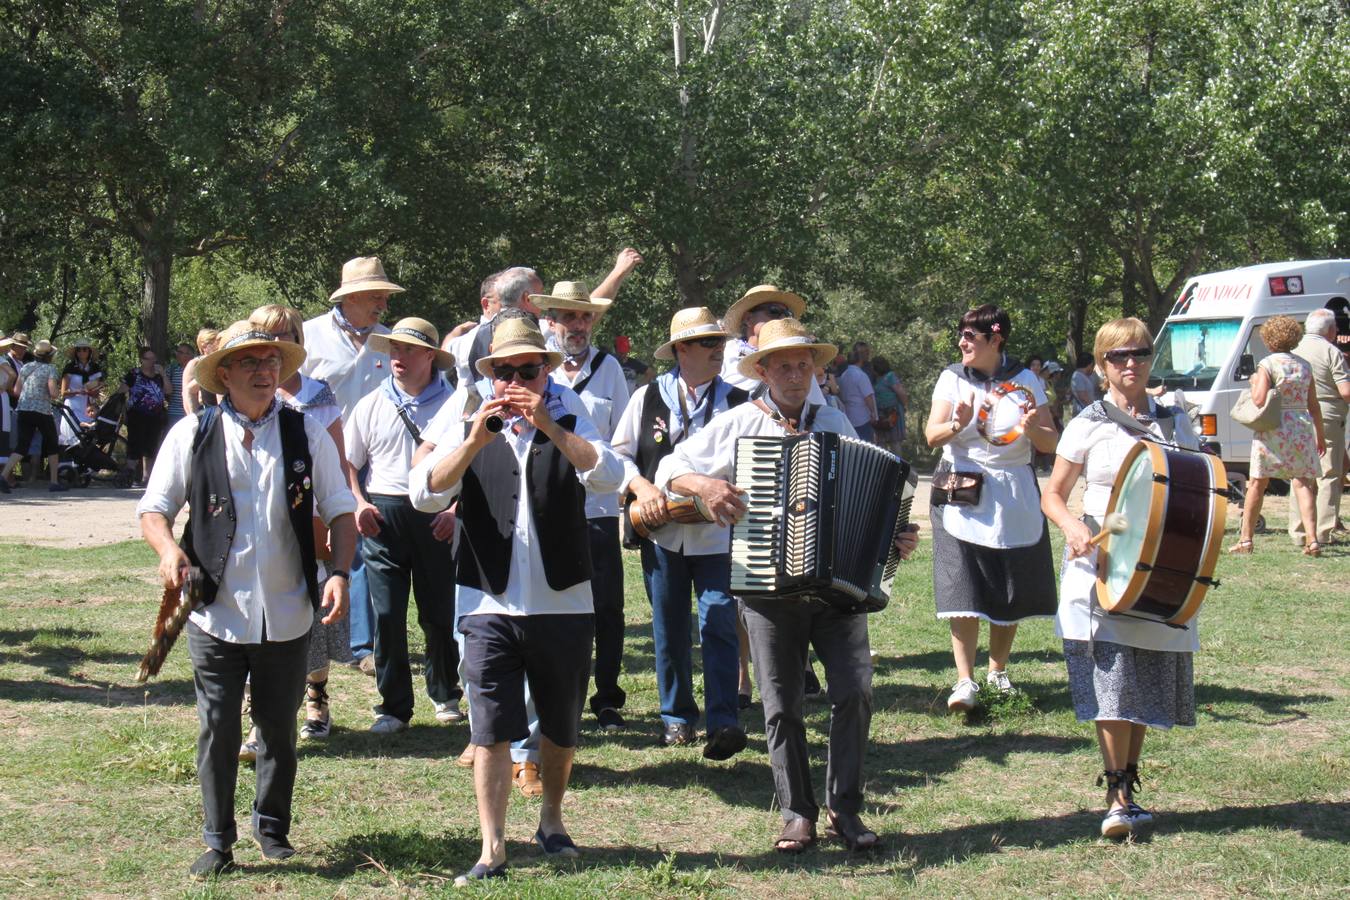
340	573
956	426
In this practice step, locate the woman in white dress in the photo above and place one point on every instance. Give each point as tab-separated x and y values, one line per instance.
81	382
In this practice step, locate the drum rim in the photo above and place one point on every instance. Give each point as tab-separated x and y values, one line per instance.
1210	560
995	394
1148	550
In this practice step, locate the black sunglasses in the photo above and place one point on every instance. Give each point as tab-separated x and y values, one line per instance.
966	334
772	310
708	342
527	372
1121	354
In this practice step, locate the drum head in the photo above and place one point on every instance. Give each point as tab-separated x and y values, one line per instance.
1142	501
1000	417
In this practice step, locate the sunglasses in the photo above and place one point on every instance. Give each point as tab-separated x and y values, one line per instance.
965	334
527	372
710	343
1121	354
772	310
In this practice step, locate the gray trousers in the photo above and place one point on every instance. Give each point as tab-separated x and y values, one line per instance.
781	631
219	669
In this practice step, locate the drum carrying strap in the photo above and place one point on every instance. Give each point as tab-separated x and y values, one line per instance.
808	417
1130	423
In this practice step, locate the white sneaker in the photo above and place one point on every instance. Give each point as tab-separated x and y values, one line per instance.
1117	823
387	724
248	750
448	712
999	681
963	695
1139	815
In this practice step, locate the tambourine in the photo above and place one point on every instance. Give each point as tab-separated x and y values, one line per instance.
680	510
999	420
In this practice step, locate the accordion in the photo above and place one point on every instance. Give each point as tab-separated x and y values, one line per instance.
823	512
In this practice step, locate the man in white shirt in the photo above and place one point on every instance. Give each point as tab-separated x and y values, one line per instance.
523	569
1331	383
339	353
508	289
571	313
859	398
760	305
254	473
679	557
402	545
782	631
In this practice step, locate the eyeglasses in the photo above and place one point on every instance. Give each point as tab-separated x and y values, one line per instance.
251	364
527	372
711	343
1121	355
772	310
965	334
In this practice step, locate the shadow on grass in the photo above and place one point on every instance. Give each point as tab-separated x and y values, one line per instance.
938	662
419	741
1283	706
59	653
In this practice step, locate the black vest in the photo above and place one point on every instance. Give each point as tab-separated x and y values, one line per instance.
209	532
650	451
487	511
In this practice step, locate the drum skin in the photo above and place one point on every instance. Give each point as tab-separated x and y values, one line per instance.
1186	511
1024	401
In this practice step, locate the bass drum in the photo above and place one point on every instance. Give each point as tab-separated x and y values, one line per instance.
1174	505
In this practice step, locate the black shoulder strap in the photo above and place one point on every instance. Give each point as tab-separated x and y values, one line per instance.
595	367
410	425
205	419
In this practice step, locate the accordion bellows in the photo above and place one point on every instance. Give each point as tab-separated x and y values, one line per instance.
823	512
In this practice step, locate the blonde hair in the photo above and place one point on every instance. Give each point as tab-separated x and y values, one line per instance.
1281	333
205	338
274	318
1119	333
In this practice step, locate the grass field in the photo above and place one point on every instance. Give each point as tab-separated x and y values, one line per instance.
99	799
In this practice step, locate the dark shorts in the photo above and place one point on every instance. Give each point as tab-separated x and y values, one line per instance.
501	652
31	423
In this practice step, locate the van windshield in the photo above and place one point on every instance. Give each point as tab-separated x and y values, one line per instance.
1188	354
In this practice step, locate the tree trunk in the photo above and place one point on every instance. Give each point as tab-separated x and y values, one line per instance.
156	268
1078	304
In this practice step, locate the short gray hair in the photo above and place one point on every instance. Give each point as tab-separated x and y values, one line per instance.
1319	321
514	283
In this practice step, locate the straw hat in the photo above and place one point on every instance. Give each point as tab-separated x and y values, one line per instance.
241	336
418	333
18	339
82	343
689	324
757	295
572	295
512	337
44	348
784	334
365	273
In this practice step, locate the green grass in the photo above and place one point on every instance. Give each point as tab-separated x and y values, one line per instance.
99	797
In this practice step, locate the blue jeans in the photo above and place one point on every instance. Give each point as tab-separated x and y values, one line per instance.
866	432
670	577
360	610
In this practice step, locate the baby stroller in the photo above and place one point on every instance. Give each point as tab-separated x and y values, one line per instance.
92	454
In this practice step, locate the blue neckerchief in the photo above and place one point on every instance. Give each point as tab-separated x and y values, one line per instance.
348	326
243	420
671	388
422	407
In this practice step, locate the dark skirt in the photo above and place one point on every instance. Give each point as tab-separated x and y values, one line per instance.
1002	586
1115	682
144	431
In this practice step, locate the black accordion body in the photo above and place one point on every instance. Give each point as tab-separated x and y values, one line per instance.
823	514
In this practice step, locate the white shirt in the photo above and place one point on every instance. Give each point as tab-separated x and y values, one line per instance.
1100	445
375	434
968	452
263	582
854	389
461	346
691	540
712	451
326	413
527	589
332	356
605	398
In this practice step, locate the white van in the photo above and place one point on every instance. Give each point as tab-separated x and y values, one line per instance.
1209	345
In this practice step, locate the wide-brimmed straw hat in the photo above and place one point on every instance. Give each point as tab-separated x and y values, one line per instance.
511	337
572	295
241	336
757	295
82	343
418	333
365	273
785	334
690	324
18	339
44	347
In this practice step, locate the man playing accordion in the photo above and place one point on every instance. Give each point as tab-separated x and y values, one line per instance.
782	630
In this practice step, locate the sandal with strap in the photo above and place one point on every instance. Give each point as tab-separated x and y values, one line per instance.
849	828
1118	822
1243	547
797	836
1138	814
1312	548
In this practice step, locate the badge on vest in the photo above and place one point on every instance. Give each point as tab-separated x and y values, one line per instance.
298	467
660	429
214	506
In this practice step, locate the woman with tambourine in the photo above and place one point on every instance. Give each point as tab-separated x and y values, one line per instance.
991	546
1125	673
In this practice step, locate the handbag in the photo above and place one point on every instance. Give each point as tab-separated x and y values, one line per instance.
956	488
1259	418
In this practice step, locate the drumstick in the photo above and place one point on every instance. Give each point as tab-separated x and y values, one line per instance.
1114	523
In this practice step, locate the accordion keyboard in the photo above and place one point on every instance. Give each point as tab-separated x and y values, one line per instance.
759	472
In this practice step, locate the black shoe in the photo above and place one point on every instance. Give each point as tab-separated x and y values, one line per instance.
479	872
724	742
609	719
812	683
744	701
274	847
677	734
211	863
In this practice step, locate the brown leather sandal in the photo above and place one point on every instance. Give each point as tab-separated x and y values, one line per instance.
798	836
849	828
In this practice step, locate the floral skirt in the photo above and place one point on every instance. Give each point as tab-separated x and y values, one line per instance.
1114	682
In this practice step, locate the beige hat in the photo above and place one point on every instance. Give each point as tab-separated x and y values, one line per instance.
44	347
784	334
757	295
689	324
241	336
572	295
365	273
19	339
418	333
512	337
85	344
